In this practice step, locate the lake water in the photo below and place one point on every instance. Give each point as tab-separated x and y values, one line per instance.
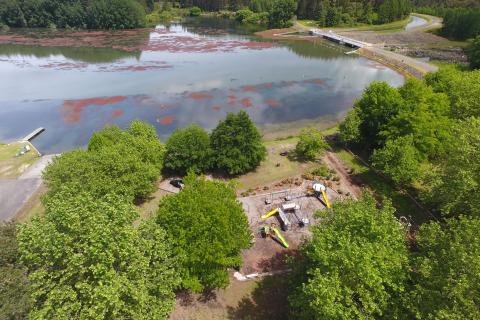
73	83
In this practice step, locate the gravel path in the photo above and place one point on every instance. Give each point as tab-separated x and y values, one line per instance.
14	193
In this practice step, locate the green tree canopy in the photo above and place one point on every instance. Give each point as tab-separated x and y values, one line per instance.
15	299
188	149
236	144
310	144
399	159
208	228
355	265
378	105
87	261
115	14
117	161
281	13
446	271
457	192
473	52
350	127
424	116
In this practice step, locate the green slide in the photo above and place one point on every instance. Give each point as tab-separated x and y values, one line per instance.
280	237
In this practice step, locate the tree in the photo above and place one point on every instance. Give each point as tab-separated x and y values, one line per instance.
195	11
457	192
473	53
188	149
236	144
115	14
424	116
281	12
378	105
350	127
86	260
446	271
15	299
355	265
399	159
310	143
208	228
124	162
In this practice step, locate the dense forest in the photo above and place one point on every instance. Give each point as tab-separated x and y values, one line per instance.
92	14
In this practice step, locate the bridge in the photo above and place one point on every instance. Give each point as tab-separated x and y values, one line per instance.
332	36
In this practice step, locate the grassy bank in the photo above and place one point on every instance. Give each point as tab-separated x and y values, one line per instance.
11	166
395	26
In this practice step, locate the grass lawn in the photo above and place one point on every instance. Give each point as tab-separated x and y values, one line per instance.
10	166
275	167
384	189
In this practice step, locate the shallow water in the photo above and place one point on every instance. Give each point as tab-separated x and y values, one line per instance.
74	83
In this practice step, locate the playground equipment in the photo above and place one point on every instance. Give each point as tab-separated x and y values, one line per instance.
286	224
271	213
320	188
267	233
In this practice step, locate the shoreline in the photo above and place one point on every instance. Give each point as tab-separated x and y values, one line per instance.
404	65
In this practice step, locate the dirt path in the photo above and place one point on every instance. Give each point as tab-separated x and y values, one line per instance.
346	181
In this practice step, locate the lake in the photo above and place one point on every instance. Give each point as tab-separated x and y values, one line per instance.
73	83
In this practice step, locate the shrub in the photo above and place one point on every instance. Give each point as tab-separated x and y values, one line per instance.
195	11
310	144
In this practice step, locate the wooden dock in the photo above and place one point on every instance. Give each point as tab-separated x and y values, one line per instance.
33	134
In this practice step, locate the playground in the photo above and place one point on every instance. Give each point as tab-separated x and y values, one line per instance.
279	222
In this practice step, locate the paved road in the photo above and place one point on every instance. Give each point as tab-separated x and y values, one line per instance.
14	193
431	22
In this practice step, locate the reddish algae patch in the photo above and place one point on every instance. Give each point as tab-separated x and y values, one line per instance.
249	88
217	107
72	109
117	113
320	82
272	102
166	120
246	102
232	99
200	96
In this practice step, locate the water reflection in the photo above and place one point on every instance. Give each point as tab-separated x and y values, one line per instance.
172	76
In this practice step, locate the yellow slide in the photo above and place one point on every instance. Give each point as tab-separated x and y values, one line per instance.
271	213
280	237
326	199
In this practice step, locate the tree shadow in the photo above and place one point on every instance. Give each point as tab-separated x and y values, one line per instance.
276	262
268	301
185	297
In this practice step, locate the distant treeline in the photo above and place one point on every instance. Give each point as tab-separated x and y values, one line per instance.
326	12
92	14
461	18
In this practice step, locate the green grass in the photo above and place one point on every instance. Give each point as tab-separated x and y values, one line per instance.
383	188
395	26
10	166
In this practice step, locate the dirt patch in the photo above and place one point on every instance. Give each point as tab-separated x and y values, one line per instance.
346	181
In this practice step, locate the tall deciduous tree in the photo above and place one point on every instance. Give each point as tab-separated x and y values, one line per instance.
458	191
125	162
473	52
236	144
354	266
281	13
87	261
15	299
208	228
446	271
377	107
188	149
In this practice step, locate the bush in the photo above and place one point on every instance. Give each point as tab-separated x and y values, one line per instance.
188	149
310	144
195	11
209	229
236	144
